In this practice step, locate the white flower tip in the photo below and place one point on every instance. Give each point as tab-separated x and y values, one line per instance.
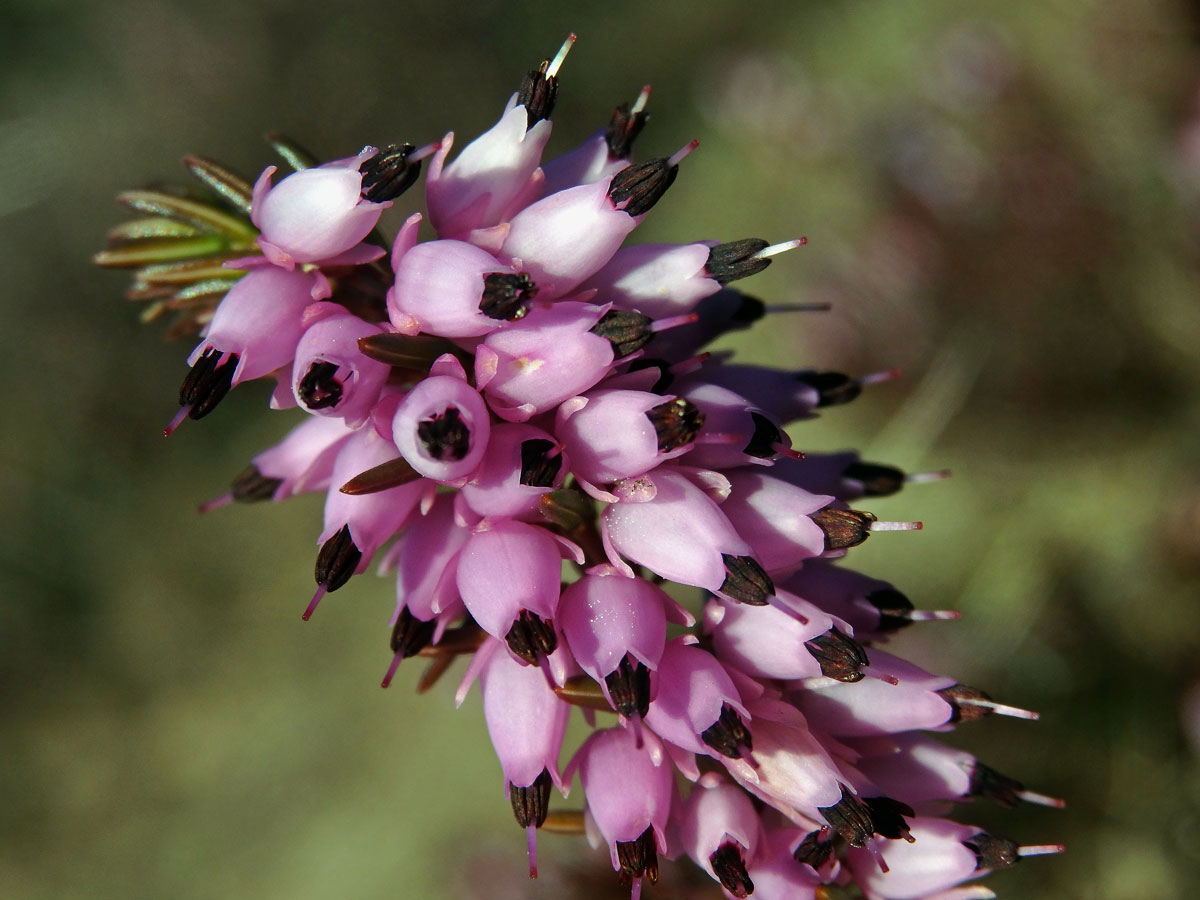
897	526
776	249
423	152
640	103
683	151
928	615
1040	849
1003	709
1042	799
556	63
923	477
877	377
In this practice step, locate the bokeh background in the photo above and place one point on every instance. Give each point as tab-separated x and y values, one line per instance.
1001	198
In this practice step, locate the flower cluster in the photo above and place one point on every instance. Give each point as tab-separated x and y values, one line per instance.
525	390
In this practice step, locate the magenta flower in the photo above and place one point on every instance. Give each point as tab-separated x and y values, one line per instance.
513	417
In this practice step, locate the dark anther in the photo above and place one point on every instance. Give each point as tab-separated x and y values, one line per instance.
888	816
730	869
530	804
987	782
850	819
252	486
539	464
833	388
318	388
993	852
639	857
506	296
892	606
641	185
843	528
965	711
766	440
207	382
839	655
665	376
729	735
623	128
736	259
876	480
675	422
746	581
531	637
629	686
537	93
337	560
626	331
388	174
812	850
445	436
411	635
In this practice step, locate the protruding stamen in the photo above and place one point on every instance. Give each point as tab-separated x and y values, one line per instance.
730	869
923	615
675	423
879	377
627	331
745	581
1040	849
176	420
531	637
896	526
531	849
839	655
389	173
1003	790
844	528
850	819
679	155
625	125
729	735
205	385
506	296
1042	800
923	477
560	56
970	704
670	322
312	604
783	247
639	857
397	658
813	850
336	562
629	687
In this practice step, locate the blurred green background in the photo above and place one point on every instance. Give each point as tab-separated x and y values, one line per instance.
1001	198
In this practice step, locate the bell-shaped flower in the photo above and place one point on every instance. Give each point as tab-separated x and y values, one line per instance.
876	706
330	375
615	434
563	239
776	874
616	628
721	831
734	433
696	705
768	641
358	525
441	427
682	535
509	576
938	859
659	280
455	289
773	517
535	364
424	559
629	786
493	176
522	464
317	215
868	605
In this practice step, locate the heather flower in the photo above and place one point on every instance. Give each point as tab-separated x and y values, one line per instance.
514	419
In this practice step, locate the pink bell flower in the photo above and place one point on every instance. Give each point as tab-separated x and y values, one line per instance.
521	466
441	427
330	376
721	831
774	518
